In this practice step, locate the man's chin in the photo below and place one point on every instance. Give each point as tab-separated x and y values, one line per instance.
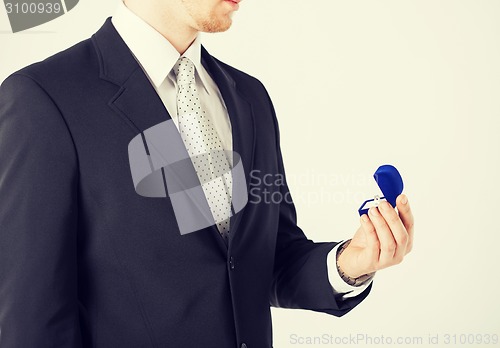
218	26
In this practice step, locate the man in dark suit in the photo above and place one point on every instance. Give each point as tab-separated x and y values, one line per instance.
87	261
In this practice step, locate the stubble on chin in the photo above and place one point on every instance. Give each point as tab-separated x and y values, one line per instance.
214	22
215	25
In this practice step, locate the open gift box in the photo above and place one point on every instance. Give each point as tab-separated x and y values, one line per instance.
391	184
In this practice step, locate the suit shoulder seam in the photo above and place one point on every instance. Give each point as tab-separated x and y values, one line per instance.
33	78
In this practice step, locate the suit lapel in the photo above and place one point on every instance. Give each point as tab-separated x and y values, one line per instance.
242	123
136	100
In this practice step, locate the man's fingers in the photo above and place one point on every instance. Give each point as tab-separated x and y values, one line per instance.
385	237
407	218
371	237
397	228
372	244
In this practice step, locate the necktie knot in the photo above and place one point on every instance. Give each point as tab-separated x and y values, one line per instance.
184	71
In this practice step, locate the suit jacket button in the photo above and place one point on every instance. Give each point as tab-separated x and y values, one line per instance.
231	262
243	345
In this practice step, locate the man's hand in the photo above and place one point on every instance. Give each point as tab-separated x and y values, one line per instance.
382	240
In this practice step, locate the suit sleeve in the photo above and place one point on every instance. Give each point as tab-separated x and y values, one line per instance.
38	220
300	278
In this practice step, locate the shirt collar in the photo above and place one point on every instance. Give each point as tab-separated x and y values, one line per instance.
152	50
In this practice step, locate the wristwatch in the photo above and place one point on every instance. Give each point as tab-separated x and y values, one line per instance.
352	281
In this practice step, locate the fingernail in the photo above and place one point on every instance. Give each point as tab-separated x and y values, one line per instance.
404	200
364	218
373	211
384	206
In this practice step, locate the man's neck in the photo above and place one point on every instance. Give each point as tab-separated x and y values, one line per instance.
181	36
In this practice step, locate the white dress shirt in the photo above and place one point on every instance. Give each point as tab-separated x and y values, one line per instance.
157	57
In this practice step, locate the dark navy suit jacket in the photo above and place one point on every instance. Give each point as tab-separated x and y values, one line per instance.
87	262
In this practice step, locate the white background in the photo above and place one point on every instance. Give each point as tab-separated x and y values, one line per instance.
357	84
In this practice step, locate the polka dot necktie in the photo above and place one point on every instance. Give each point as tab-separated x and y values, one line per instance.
203	146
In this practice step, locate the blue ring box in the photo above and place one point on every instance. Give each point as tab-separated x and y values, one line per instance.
391	184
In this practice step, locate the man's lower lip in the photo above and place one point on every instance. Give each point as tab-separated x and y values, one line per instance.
234	4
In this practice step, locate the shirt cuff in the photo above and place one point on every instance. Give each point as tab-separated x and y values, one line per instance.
340	287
